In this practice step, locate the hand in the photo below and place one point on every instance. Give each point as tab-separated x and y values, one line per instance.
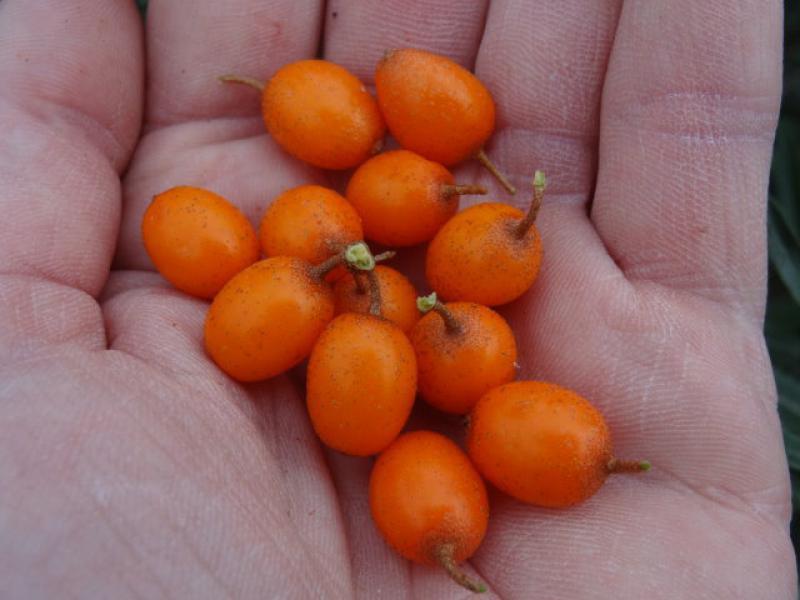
131	467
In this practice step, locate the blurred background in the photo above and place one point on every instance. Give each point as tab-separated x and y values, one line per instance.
782	326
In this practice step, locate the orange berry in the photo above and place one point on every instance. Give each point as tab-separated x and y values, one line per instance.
320	113
197	239
463	351
267	318
435	107
361	382
403	198
429	502
398	297
310	222
542	444
489	253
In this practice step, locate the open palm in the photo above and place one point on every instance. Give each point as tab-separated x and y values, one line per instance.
131	467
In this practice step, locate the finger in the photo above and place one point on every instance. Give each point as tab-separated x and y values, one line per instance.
544	63
357	33
70	114
689	110
192	42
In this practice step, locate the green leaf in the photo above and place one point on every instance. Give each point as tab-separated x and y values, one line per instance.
783	313
785	176
789	409
784	350
784	253
142	4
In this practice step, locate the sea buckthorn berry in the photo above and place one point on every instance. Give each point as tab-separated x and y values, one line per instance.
542	444
489	253
197	239
361	383
267	318
436	108
398	296
429	502
320	113
403	198
310	222
463	351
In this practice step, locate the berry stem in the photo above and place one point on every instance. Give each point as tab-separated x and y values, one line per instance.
492	168
375	294
445	555
358	277
356	256
451	324
385	256
616	465
358	274
431	302
251	81
449	190
539	185
326	266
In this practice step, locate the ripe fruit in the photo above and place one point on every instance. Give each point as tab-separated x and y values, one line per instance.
320	113
429	503
463	351
197	239
310	222
398	296
361	382
542	444
267	318
489	253
403	198
436	107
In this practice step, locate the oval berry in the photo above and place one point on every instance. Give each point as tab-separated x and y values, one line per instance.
197	239
361	383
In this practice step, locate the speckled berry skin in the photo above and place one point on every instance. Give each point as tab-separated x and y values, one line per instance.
401	199
361	384
197	239
456	368
309	221
477	257
433	105
322	114
267	318
398	297
423	493
540	443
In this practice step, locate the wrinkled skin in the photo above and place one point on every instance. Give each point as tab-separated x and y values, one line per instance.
131	467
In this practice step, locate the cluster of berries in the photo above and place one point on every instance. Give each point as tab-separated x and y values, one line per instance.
320	295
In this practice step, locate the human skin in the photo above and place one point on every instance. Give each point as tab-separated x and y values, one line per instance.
130	466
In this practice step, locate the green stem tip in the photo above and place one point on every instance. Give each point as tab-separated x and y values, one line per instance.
426	303
445	557
628	466
539	185
539	181
430	302
358	256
